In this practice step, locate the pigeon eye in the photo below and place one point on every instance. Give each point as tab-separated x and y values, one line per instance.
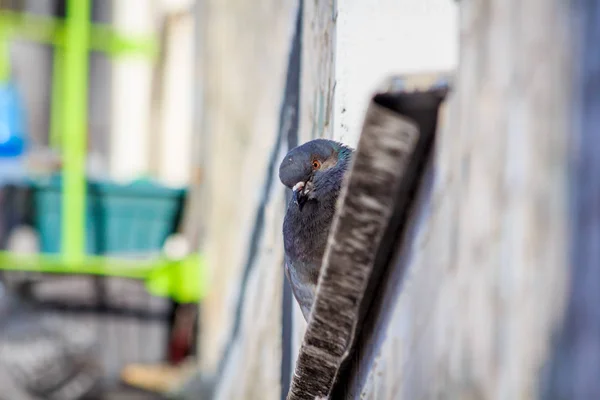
316	164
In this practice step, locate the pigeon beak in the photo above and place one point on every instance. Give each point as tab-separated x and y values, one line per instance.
299	198
298	195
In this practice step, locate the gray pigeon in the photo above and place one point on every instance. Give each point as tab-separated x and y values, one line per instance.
315	172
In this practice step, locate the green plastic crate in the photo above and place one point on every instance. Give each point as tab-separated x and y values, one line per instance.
133	218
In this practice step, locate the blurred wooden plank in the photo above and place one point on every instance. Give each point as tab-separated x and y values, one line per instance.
155	378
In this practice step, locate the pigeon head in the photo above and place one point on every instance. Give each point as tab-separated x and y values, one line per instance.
315	169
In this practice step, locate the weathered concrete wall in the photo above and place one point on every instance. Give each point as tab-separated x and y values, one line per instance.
487	262
246	54
318	69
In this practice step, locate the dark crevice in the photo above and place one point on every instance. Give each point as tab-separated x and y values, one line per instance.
291	102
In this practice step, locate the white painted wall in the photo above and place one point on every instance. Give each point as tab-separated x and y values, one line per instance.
379	38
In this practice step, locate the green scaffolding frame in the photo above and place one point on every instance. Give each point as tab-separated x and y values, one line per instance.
73	38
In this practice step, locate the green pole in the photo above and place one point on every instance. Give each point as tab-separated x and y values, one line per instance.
74	124
56	108
4	55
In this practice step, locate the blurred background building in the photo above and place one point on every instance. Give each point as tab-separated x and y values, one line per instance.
98	112
140	108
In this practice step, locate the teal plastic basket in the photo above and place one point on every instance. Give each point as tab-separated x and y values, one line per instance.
133	218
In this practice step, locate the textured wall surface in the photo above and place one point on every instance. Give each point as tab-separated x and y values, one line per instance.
246	55
486	262
318	79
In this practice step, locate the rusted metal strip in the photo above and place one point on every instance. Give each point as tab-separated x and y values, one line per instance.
396	139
